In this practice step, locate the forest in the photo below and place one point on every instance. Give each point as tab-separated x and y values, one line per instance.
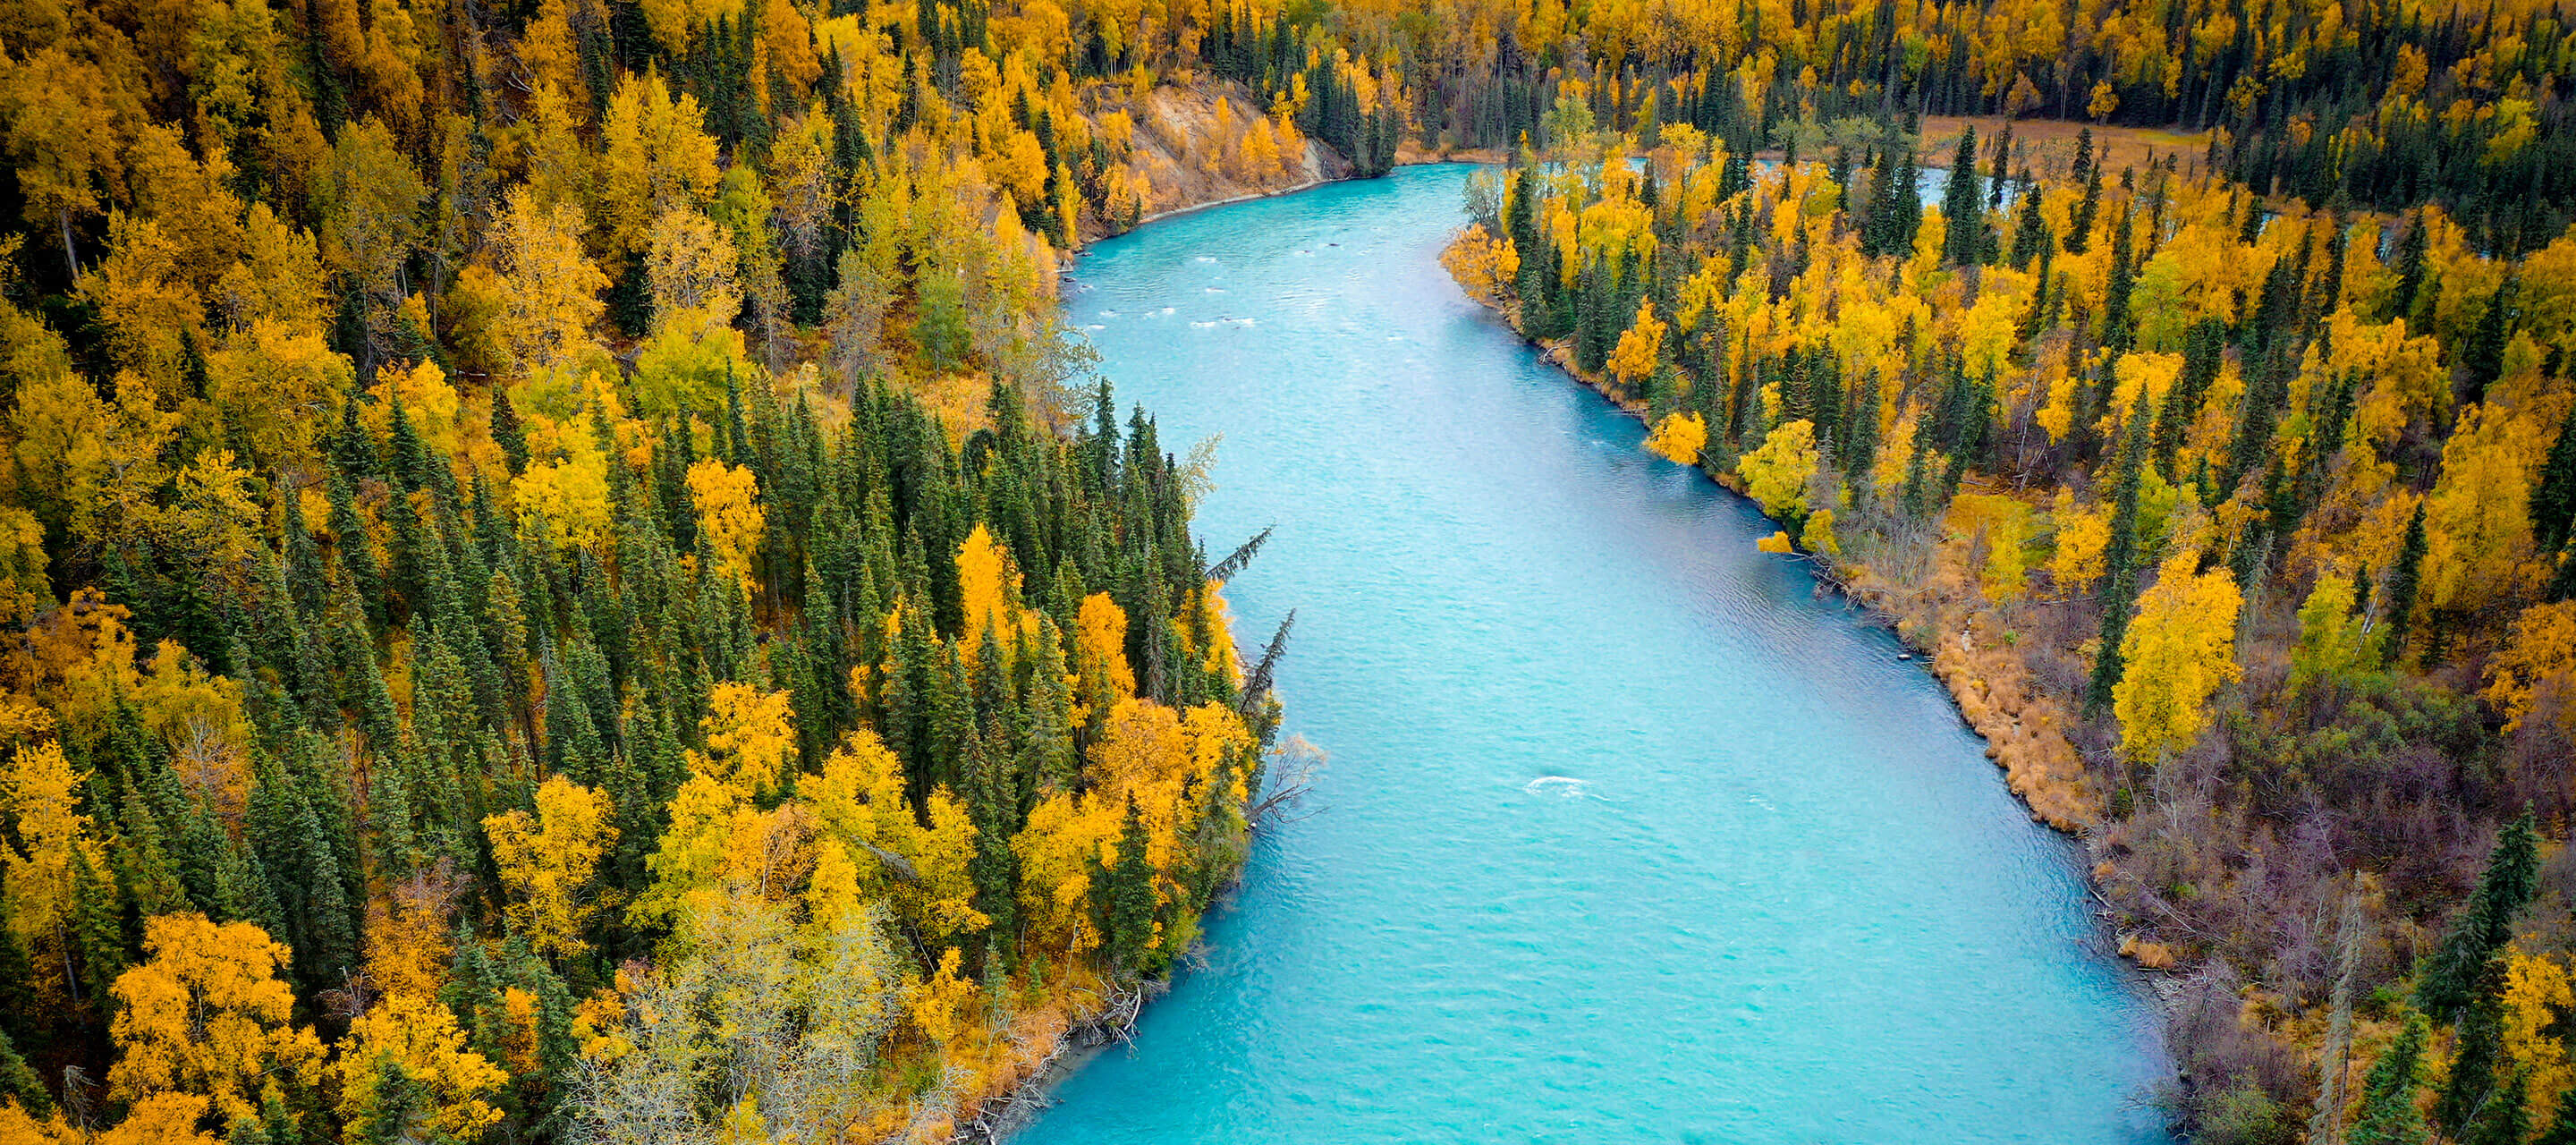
2236	523
565	579
566	582
2224	462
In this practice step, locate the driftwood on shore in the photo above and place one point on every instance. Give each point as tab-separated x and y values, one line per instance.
1008	1113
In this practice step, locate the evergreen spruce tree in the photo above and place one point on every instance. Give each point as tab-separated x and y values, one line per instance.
1129	889
2388	1113
2485	924
2482	360
1879	223
2472	1084
507	432
2030	229
146	874
1963	205
1907	219
2505	1117
2119	562
20	1025
97	939
1916	496
352	544
2553	501
18	1080
2000	171
911	681
2204	345
2266	390
2404	582
2079	227
2410	267
242	892
2119	327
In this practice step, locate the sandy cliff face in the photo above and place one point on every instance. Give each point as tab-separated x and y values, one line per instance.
1200	142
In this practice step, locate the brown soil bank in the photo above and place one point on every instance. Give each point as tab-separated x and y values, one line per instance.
1203	142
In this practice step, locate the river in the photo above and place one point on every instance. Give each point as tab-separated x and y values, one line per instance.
1626	834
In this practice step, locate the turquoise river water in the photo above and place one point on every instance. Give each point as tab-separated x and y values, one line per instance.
1626	834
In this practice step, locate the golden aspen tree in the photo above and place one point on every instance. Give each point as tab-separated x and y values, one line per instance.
549	285
2537	990
429	401
2004	524
1640	347
548	51
78	659
727	498
277	381
750	735
989	588
1818	537
62	141
569	495
692	267
1100	655
2083	536
206	1014
2477	521
546	861
787	49
93	464
859	803
2330	634
704	816
405	1073
160	1119
42	801
1776	473
1067	838
1485	265
24	585
1261	159
2533	667
654	156
371	219
1139	742
408	935
1018	167
1212	731
2180	650
940	1006
1679	438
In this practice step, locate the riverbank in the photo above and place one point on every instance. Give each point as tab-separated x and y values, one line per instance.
1933	603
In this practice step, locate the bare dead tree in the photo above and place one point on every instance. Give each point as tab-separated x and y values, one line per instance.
1227	568
76	1106
1300	763
1256	687
2326	1128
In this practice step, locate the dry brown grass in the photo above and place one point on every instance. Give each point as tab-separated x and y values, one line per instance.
2152	955
1974	654
1409	152
2048	145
